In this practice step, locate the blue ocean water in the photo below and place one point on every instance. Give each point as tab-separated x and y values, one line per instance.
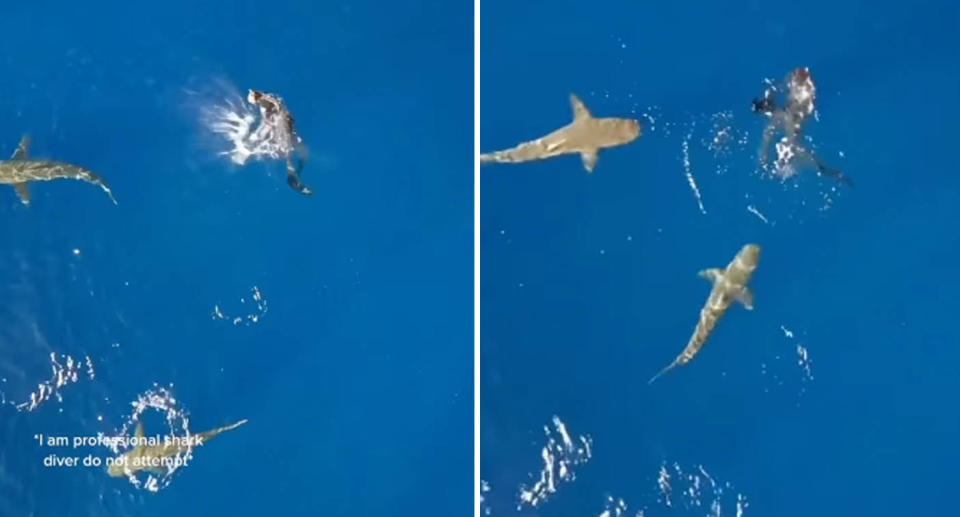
836	394
356	377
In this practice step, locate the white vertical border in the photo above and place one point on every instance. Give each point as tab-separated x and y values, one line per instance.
476	257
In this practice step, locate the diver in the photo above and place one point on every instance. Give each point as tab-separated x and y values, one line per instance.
276	126
800	94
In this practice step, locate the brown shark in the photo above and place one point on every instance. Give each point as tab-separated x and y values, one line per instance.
20	170
585	136
729	285
160	457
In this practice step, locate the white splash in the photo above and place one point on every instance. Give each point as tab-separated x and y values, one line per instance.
753	210
697	489
484	488
178	424
559	455
613	507
786	332
62	375
689	173
240	124
805	363
258	302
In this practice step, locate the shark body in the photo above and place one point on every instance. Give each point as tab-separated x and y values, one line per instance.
151	458
20	170
585	136
729	285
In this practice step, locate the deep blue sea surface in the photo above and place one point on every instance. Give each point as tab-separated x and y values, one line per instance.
589	282
357	378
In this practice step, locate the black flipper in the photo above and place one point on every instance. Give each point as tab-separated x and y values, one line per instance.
293	177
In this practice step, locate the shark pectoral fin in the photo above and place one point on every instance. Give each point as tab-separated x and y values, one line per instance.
745	297
589	160
580	112
710	275
21	152
22	193
138	432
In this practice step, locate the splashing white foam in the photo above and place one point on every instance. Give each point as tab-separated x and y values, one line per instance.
613	507
63	374
753	210
239	123
484	489
697	489
159	399
560	455
689	173
257	301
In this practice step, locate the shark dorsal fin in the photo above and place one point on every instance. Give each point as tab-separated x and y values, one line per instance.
21	152
580	112
138	433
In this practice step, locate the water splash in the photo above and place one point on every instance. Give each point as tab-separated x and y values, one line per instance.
65	371
688	172
161	400
257	301
614	507
238	123
696	489
560	455
484	489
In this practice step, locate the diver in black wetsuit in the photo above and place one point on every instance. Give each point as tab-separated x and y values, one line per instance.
800	92
277	124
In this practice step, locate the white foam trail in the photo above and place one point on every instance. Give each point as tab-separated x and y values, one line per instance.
753	210
688	172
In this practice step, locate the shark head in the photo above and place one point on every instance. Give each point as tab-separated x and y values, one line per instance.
629	129
750	254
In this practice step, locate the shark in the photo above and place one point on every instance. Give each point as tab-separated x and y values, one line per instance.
20	170
729	285
585	136
156	458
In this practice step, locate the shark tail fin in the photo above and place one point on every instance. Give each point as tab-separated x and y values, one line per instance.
666	369
213	432
834	173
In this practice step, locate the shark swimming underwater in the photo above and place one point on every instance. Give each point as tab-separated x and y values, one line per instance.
156	458
729	285
585	136
20	170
